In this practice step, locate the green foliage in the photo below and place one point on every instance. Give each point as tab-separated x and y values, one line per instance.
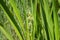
29	20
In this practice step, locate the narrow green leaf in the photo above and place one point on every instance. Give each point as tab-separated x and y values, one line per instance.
55	20
6	33
16	30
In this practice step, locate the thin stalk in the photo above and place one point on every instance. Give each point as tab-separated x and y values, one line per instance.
34	7
55	20
17	13
43	25
48	19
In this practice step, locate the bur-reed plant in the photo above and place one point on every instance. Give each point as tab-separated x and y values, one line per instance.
29	19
